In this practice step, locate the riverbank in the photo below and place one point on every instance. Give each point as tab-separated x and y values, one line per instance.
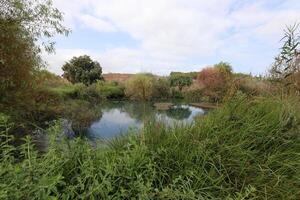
205	105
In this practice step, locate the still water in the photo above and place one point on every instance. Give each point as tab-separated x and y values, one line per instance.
119	117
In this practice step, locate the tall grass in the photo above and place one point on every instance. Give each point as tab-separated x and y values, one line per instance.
249	149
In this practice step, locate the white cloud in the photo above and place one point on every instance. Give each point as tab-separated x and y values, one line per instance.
56	61
170	32
96	23
121	60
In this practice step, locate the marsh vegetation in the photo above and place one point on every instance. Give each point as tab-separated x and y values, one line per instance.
150	139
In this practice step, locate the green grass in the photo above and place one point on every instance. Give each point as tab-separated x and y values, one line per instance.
95	92
249	149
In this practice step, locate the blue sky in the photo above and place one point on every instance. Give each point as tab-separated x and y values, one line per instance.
160	36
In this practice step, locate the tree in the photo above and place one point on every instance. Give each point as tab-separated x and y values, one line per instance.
180	81
82	69
224	66
193	75
140	87
26	27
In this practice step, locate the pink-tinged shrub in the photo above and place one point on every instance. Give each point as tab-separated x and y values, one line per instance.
215	81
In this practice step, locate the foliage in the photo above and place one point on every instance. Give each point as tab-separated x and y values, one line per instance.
253	86
287	65
176	94
194	93
192	75
95	92
110	90
24	24
180	81
161	88
82	69
140	87
224	66
215	81
249	149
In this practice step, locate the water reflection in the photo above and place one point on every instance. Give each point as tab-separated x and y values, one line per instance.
179	112
119	117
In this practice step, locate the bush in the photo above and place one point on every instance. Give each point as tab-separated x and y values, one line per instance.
140	87
176	94
67	91
162	88
253	86
110	90
194	93
216	82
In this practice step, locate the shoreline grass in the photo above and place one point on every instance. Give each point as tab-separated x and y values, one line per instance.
248	149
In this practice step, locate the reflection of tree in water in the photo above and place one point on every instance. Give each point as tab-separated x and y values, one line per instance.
112	105
82	114
179	113
141	111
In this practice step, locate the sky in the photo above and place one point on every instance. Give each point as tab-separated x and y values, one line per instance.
160	36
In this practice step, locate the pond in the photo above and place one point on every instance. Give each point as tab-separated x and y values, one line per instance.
117	118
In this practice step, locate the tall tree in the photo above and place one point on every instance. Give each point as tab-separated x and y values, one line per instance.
82	69
26	28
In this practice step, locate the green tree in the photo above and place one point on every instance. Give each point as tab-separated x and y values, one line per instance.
224	66
180	81
82	69
26	28
140	87
193	75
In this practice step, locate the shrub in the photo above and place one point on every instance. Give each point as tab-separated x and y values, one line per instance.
140	87
110	90
176	94
161	88
216	81
194	93
253	86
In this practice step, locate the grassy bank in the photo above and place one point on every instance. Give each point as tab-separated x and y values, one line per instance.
248	149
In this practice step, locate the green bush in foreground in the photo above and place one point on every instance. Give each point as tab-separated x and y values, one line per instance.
249	149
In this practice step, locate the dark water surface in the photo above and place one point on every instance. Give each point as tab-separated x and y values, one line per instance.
119	117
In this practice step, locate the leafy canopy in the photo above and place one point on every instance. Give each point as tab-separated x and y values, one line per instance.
180	81
224	66
82	69
26	28
140	87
